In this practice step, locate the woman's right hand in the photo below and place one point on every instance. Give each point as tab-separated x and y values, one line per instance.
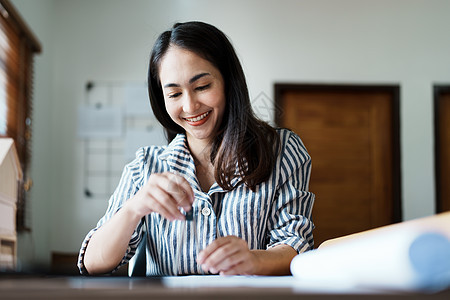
164	193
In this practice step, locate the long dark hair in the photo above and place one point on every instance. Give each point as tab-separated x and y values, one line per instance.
245	146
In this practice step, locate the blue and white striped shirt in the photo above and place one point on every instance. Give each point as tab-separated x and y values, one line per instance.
277	212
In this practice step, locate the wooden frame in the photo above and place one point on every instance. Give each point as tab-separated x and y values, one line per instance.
438	92
393	90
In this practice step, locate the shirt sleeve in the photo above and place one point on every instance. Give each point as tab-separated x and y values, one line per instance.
129	184
290	221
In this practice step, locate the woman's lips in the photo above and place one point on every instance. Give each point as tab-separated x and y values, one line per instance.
198	120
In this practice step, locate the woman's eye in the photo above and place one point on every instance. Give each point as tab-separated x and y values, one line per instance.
203	87
174	95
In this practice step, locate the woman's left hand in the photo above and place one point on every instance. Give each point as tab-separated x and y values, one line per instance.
228	256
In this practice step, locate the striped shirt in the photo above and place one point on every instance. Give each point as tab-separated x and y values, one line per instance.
277	212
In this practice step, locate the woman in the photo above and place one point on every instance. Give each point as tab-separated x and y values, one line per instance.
244	183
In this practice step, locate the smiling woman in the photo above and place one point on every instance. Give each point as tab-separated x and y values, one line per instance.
239	126
244	182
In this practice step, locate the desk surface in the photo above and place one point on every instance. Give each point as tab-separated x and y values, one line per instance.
180	288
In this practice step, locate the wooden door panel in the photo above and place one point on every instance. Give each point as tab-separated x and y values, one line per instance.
350	135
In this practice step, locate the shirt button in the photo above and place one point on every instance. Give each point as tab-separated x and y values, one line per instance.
206	211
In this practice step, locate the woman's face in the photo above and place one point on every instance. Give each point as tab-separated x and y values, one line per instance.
194	93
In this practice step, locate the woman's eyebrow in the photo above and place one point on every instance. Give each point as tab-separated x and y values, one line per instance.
171	85
191	81
197	77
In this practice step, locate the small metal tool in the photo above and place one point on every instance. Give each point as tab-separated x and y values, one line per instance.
190	215
182	237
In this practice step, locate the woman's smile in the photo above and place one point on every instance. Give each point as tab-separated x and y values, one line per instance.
198	120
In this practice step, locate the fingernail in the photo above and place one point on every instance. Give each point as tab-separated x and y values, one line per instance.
200	258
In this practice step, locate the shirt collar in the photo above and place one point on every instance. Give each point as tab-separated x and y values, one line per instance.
177	154
177	145
179	159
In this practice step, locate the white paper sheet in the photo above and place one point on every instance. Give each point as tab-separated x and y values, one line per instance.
216	281
197	281
99	122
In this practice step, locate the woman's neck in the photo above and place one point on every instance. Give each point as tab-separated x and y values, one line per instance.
200	151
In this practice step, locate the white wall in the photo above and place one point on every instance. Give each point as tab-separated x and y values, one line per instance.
322	41
33	249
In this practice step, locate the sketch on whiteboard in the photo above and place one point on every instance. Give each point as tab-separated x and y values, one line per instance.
114	121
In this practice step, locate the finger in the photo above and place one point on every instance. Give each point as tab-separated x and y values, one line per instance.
235	270
185	187
161	209
165	205
238	269
179	189
233	264
219	250
224	258
230	272
211	248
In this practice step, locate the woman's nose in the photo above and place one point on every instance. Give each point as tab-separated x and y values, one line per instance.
190	104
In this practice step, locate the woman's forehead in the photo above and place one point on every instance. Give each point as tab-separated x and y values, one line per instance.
179	64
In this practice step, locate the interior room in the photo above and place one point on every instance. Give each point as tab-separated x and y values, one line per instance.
93	49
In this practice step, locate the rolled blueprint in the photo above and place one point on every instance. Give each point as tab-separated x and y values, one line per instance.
403	259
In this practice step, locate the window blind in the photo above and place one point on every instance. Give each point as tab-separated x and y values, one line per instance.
17	48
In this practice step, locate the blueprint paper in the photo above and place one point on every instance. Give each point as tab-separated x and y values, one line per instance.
397	260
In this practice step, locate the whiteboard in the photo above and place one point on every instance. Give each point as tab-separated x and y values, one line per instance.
114	121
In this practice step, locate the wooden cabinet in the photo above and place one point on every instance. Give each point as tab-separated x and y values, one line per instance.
352	135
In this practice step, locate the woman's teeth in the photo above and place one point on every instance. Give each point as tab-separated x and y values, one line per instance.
196	119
